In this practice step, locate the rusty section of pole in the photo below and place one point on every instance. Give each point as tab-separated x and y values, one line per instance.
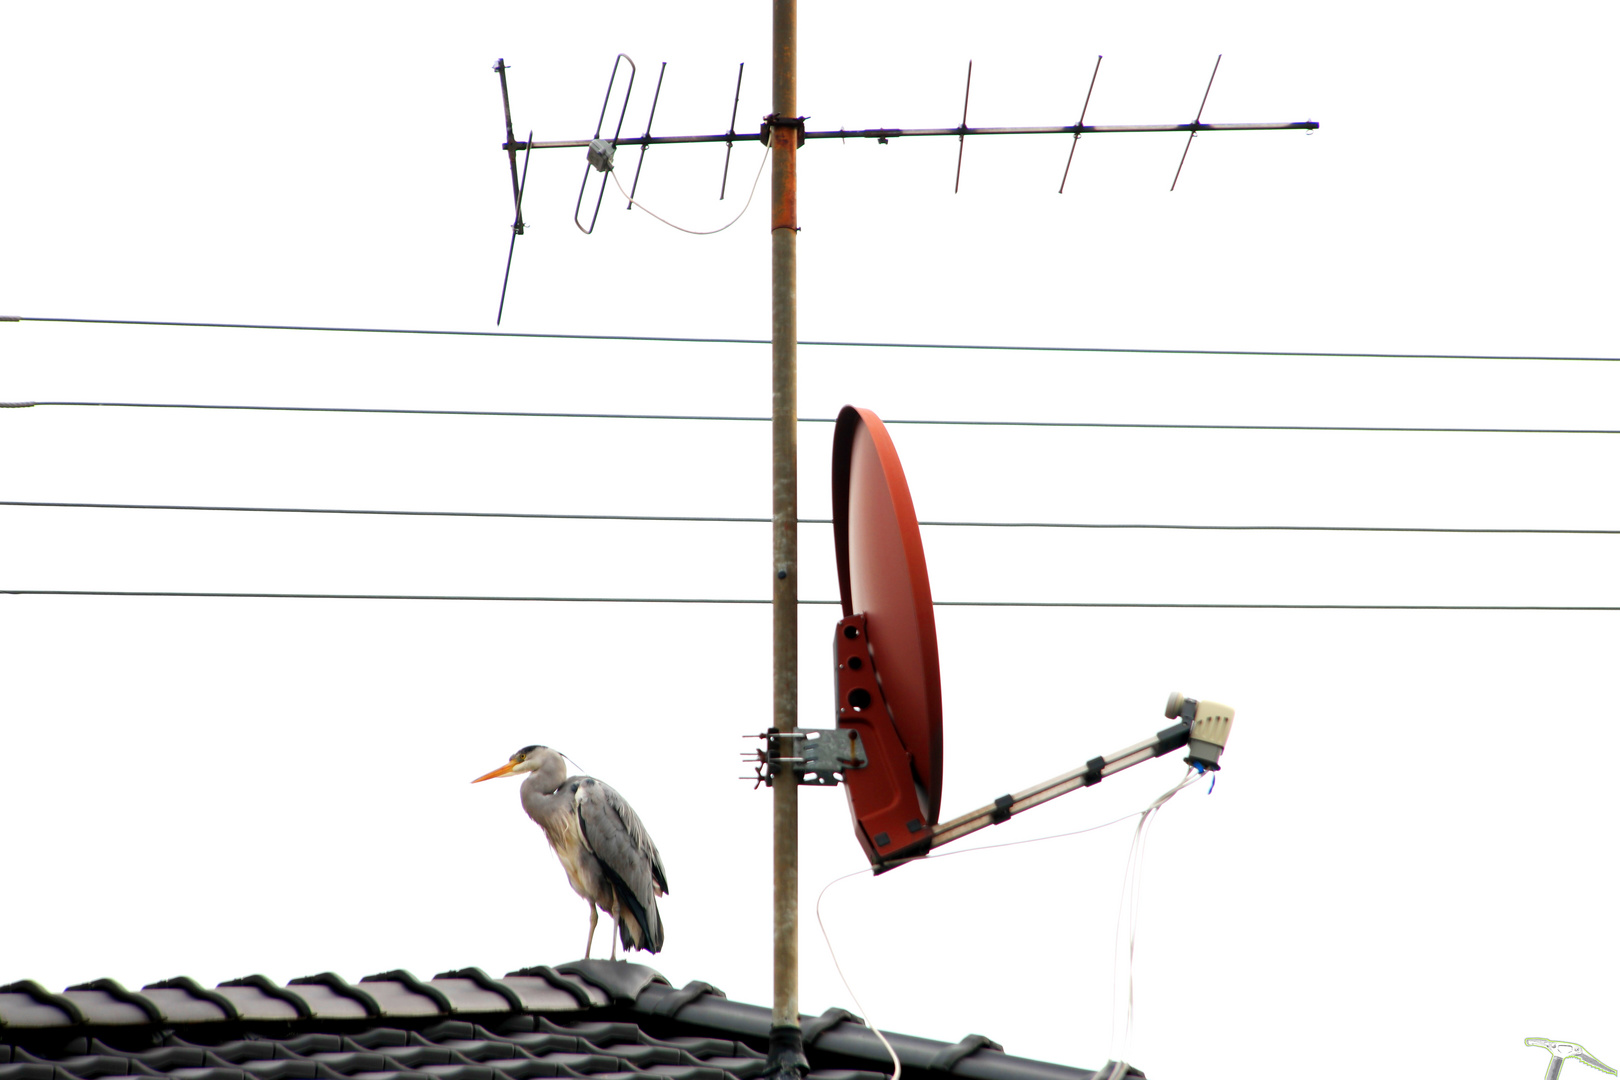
786	1059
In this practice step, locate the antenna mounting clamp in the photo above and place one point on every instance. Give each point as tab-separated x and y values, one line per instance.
773	121
820	757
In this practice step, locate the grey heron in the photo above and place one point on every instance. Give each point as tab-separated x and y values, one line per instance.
603	846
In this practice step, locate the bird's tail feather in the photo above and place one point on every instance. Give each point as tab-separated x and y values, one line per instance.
649	927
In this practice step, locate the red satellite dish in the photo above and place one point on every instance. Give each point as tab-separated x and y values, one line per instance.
886	650
887	659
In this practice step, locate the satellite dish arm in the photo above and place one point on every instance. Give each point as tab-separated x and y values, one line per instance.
1203	728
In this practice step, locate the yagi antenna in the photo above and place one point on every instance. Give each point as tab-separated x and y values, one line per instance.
1076	140
642	159
600	150
517	227
1194	130
731	133
599	155
517	184
961	139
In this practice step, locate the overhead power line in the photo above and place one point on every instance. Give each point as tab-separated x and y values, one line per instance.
712	519
664	338
723	418
765	601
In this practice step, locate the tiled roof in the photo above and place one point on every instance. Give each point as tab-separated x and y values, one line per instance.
593	1018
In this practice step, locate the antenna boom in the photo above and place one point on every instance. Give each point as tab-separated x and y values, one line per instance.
884	134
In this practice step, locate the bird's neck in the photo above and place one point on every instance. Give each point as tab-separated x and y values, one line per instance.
543	782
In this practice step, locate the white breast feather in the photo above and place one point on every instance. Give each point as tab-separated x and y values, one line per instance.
569	844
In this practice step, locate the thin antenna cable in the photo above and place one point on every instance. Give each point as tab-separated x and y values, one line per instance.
1196	121
935	856
1076	141
644	138
700	232
731	133
607	97
961	139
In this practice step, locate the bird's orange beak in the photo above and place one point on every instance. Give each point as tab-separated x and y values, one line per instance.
504	770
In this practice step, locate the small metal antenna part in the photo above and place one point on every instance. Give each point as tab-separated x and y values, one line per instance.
617	131
517	227
1561	1051
1076	140
643	157
517	184
731	133
961	139
1196	121
511	144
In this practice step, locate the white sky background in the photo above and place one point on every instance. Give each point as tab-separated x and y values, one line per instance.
1409	856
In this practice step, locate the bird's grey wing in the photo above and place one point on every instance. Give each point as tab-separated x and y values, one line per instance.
619	838
620	842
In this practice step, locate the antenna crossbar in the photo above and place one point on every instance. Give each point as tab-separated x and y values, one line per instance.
885	134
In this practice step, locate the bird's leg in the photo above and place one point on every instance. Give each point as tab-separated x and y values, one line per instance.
592	935
614	952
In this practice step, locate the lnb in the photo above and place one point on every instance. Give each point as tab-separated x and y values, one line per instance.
1209	723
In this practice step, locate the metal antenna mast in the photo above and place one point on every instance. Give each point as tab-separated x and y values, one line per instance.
786	127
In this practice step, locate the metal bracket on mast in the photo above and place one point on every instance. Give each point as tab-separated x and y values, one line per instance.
820	759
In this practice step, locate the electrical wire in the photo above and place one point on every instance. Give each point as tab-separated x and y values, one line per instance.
1310	353
698	232
819	419
1135	860
1109	604
411	513
935	856
838	967
713	519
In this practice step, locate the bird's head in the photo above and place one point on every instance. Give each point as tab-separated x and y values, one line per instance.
531	759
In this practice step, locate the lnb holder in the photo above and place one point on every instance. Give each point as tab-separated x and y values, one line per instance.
1209	723
1201	726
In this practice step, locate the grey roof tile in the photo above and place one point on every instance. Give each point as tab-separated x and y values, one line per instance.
622	982
591	1019
109	993
399	993
252	1003
327	1004
182	999
466	996
815	1029
23	1010
538	995
100	1007
181	1007
44	1007
288	1069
